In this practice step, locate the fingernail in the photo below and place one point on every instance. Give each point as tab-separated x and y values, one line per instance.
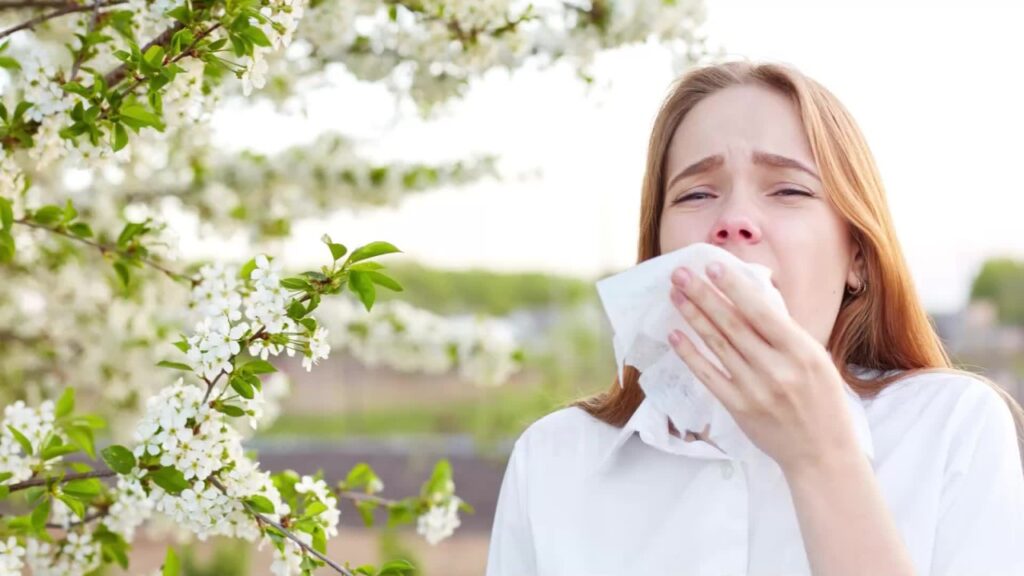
681	276
677	296
673	337
714	270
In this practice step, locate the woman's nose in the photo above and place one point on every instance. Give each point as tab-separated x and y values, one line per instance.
735	229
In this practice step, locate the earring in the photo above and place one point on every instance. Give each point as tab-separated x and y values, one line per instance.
860	289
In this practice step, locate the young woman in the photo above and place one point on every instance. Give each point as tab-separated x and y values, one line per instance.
764	162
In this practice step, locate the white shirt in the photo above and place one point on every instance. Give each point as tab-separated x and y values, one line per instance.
583	498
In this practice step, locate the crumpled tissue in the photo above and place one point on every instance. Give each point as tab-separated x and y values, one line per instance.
642	315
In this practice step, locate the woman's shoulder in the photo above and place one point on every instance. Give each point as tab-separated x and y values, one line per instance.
953	408
567	432
947	387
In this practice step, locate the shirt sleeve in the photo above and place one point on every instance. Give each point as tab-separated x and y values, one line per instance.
981	517
511	552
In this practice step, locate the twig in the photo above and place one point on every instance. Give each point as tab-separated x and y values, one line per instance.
118	74
106	248
260	517
80	57
68	8
88	518
359	496
66	478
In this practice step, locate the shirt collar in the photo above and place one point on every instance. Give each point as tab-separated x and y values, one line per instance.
652	427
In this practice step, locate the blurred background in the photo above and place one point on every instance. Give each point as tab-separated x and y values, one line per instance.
538	198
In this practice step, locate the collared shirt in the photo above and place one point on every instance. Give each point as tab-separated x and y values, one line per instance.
583	498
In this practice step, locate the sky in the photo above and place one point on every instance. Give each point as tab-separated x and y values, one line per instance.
935	89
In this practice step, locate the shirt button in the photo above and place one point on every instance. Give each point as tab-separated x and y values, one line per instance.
727	470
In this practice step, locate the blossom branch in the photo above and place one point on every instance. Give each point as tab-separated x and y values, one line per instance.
119	73
261	518
108	249
80	57
66	478
67	8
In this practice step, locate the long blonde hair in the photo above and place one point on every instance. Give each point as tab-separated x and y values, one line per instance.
884	327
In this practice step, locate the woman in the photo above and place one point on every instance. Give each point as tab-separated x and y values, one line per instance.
764	162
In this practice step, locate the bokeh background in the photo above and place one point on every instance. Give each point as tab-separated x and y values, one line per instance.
553	205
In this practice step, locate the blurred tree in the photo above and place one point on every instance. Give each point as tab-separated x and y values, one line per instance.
1001	281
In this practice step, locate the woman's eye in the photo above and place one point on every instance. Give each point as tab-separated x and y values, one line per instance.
690	197
797	192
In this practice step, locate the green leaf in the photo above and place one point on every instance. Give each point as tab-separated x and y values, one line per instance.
258	367
319	539
26	446
369	265
154	56
397	568
256	36
119	458
370	250
81	229
81	436
75	504
7	247
48	215
66	403
385	281
260	504
6	214
83	488
69	211
314	508
170	479
120	136
58	450
174	365
9	63
360	284
40	515
130	231
247	269
296	310
242	386
123	273
359	476
295	283
88	421
113	547
229	409
366	508
337	250
138	116
439	479
171	565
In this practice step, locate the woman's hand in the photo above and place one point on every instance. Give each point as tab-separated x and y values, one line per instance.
782	388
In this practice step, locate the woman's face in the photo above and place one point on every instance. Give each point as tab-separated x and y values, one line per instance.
741	176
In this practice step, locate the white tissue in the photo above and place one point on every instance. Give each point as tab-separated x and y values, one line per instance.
642	315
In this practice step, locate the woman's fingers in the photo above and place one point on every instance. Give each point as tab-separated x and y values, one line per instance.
723	328
716	381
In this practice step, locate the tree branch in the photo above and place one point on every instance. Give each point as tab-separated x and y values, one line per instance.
106	249
88	518
359	496
261	518
80	57
61	479
67	8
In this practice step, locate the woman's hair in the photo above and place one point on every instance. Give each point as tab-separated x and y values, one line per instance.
884	326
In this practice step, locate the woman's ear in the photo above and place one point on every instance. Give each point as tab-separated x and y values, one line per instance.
856	276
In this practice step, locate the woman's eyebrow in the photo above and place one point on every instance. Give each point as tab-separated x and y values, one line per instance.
759	157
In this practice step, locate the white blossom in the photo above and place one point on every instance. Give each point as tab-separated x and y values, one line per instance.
11	554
